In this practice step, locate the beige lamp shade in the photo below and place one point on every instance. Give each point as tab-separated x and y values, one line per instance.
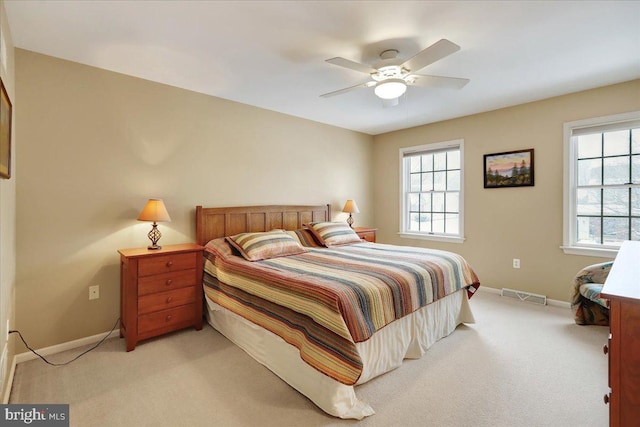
154	211
350	207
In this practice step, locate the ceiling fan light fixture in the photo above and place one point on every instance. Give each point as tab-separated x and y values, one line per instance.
390	88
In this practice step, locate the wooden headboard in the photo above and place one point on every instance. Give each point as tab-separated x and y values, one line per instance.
212	223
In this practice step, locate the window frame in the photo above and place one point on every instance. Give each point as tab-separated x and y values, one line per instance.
570	184
405	183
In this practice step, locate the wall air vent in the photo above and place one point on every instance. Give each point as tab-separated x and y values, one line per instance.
524	296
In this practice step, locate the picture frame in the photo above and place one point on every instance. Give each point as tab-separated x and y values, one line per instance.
5	132
509	169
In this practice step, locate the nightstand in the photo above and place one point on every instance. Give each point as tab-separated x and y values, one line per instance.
160	291
366	233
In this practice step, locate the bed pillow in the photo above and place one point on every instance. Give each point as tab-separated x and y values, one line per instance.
305	237
334	233
265	245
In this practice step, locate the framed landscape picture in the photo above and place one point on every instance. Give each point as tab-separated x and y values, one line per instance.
509	169
5	133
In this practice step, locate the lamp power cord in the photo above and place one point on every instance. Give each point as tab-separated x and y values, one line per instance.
75	358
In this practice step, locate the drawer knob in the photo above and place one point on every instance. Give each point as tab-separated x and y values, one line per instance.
169	281
605	349
168	317
169	299
606	399
169	263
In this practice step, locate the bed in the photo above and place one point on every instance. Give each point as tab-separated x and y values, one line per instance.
322	309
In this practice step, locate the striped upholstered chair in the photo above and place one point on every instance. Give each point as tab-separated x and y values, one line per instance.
588	307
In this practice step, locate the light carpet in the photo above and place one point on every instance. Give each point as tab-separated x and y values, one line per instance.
520	364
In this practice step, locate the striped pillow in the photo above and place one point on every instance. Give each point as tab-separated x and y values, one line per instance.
305	237
334	233
265	245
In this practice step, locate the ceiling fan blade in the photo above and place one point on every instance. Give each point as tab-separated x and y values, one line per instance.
437	81
433	53
352	65
347	89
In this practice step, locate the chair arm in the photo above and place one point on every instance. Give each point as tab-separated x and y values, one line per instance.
595	273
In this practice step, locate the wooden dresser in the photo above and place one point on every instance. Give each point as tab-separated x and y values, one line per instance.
160	291
622	289
366	233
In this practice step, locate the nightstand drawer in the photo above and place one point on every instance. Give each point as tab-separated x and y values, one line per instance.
369	236
164	300
366	233
165	318
166	281
166	263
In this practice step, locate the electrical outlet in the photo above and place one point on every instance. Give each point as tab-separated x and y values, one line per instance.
516	263
94	292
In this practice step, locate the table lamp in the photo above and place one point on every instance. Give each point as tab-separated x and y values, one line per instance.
154	211
350	207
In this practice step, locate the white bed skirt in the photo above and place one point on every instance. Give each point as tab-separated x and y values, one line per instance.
408	337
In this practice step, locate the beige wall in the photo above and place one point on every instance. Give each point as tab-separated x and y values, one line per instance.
95	145
7	213
502	224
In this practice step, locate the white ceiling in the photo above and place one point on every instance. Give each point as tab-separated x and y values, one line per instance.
271	54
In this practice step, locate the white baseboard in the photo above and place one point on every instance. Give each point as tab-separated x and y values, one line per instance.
553	302
70	345
7	391
484	288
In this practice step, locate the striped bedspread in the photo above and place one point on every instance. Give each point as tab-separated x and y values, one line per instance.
327	299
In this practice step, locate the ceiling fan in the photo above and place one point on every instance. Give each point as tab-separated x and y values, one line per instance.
390	77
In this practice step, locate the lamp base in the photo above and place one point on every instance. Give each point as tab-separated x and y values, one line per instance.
350	221
154	235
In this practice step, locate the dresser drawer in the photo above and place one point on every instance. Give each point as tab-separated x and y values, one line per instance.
163	300
166	263
165	318
166	281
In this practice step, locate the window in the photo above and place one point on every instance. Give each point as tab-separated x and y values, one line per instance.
431	191
602	184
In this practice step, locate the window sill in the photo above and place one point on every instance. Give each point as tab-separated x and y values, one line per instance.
433	237
587	251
